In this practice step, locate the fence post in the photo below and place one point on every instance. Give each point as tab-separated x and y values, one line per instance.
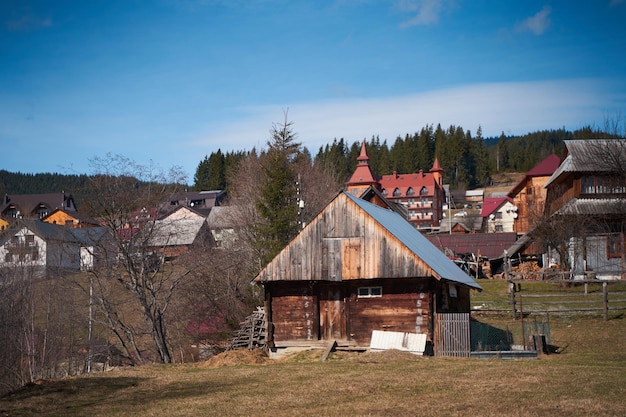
512	292
605	301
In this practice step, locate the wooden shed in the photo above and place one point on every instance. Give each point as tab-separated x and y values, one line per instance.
357	268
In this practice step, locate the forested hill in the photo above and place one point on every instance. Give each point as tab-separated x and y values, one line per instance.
19	183
468	160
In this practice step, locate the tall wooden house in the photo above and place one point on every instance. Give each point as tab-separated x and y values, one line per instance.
529	194
589	187
422	193
358	268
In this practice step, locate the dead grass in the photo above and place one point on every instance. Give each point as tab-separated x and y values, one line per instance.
587	379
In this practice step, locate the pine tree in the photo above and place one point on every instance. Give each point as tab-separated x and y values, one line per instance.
217	176
201	177
277	204
481	157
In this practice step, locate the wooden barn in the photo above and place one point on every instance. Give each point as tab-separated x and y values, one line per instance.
359	268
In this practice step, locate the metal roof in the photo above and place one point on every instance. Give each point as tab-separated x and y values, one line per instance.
594	206
176	232
591	155
416	243
488	245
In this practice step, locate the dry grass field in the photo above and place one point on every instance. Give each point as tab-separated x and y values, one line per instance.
587	377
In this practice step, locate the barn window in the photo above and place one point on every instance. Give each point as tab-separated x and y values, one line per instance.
370	292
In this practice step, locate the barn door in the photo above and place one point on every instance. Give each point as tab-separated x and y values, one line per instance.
332	313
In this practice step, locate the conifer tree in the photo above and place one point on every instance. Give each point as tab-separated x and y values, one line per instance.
277	204
201	177
217	177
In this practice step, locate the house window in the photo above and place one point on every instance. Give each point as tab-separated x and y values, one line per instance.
424	191
498	214
499	228
396	192
410	191
615	245
30	240
370	292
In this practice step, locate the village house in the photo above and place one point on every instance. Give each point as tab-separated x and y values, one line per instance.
529	194
421	193
498	214
589	187
358	268
34	206
200	201
48	247
68	218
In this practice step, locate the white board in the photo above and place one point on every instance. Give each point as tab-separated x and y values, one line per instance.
409	342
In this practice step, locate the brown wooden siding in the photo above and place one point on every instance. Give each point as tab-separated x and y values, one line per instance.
294	314
327	311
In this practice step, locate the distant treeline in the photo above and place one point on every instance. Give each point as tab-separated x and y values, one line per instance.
468	159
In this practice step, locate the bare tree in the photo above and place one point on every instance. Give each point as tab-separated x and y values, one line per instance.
131	279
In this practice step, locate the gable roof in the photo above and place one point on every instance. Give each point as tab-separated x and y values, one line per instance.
492	204
419	245
27	203
81	217
583	156
544	168
49	232
488	245
176	232
407	239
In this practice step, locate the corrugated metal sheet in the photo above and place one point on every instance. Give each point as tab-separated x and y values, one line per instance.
590	156
176	232
416	242
591	206
489	245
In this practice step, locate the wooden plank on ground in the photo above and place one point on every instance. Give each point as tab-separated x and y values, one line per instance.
331	347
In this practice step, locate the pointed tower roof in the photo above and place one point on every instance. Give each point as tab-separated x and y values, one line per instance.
436	167
362	174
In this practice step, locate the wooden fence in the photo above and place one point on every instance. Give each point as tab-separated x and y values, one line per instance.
452	334
575	297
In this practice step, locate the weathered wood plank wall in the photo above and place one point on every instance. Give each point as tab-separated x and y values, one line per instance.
334	245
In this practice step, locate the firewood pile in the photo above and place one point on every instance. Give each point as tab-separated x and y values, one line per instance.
528	271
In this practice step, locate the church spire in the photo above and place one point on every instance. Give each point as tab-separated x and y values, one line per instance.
362	177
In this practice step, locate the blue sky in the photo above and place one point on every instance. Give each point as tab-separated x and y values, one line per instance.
167	82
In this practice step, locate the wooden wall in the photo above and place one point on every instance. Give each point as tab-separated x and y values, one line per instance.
405	306
305	311
334	246
293	312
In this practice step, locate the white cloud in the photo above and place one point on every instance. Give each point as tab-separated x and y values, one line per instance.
536	24
427	11
513	108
